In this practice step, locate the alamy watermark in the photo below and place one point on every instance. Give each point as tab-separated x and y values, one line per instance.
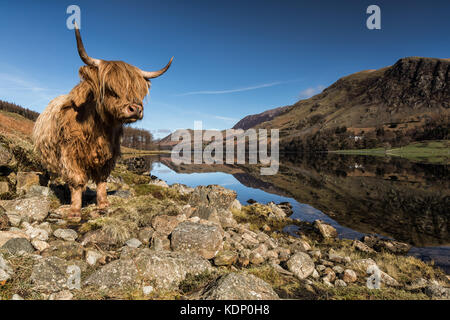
207	147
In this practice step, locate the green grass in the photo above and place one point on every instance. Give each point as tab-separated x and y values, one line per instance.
433	151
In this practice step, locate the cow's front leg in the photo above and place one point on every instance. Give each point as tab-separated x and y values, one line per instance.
76	194
102	200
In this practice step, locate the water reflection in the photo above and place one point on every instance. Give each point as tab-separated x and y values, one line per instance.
391	197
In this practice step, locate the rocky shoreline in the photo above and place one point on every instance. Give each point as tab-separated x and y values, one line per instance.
175	242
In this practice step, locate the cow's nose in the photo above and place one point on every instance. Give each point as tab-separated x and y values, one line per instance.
135	110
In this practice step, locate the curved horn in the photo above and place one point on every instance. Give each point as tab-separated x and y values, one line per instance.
82	52
154	74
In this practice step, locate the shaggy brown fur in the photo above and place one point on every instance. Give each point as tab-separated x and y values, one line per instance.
78	135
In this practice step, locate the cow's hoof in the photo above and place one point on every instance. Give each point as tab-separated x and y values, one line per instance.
74	215
103	205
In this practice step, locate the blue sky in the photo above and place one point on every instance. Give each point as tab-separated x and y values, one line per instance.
232	58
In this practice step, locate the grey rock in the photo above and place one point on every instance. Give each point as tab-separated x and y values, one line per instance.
164	224
206	240
160	241
66	234
6	270
362	247
67	250
116	274
340	283
18	246
17	297
214	196
133	243
166	269
240	286
40	245
6	157
28	209
62	295
39	191
301	265
50	274
25	180
92	256
326	230
436	291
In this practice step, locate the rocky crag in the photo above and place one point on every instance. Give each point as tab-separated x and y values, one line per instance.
175	242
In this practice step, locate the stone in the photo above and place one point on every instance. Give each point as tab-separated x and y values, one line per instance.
362	247
417	284
391	246
436	291
145	235
133	243
40	245
17	297
147	290
4	187
225	258
283	254
18	246
329	274
240	286
99	237
315	274
334	257
164	224
35	233
160	242
301	265
215	196
277	212
51	274
159	183
256	258
326	230
6	270
92	257
338	269
39	191
66	234
4	220
62	295
349	276
28	209
5	236
182	189
6	157
316	254
25	180
116	274
206	240
300	245
320	267
166	269
236	205
340	283
66	250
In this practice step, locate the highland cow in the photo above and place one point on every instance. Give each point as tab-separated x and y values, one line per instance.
78	135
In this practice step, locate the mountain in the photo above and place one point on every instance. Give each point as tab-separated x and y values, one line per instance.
398	104
255	119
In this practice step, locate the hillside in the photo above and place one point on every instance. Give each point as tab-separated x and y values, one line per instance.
255	119
396	104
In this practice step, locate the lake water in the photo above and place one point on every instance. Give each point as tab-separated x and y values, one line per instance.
390	197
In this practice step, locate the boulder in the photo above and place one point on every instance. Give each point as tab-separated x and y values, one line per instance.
116	274
160	241
206	240
5	269
52	274
164	224
349	276
6	157
362	246
326	230
18	246
301	265
64	249
66	234
4	220
25	180
28	209
133	243
166	269
213	195
239	286
5	236
225	258
436	291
